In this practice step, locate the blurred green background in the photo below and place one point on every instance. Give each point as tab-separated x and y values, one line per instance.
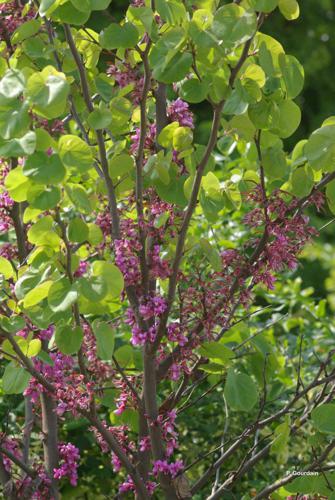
311	39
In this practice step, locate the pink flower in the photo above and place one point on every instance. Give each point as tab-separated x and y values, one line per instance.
69	457
164	467
178	111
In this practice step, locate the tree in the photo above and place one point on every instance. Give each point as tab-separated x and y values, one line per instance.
136	263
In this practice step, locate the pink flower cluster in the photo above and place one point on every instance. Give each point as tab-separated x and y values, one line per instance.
176	334
172	468
151	309
169	433
81	270
10	445
69	457
153	306
6	203
126	396
128	485
72	393
102	371
11	18
127	261
120	433
124	74
177	111
55	373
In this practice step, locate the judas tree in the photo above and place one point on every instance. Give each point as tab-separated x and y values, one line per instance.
141	247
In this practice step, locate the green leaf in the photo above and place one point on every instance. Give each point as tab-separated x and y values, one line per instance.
293	75
67	13
269	52
43	198
79	198
121	109
14	121
94	288
47	91
27	282
279	447
255	73
45	5
264	114
323	418
77	230
12	84
15	379
263	5
302	181
165	137
274	162
320	149
75	153
120	165
12	324
61	295
111	274
172	192
193	90
312	484
289	119
171	11
81	5
33	348
42	233
237	102
182	138
330	196
175	70
44	169
69	339
95	234
161	219
6	268
100	118
104	335
144	15
26	30
100	4
17	184
290	9
119	37
37	294
124	355
211	185
240	391
18	147
216	352
234	25
44	141
212	254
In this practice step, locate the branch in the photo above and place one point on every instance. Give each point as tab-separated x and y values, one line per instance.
7	483
249	431
139	167
108	436
20	463
287	479
99	135
161	116
116	448
186	222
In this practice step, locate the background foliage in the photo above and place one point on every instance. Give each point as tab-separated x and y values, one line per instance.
301	312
